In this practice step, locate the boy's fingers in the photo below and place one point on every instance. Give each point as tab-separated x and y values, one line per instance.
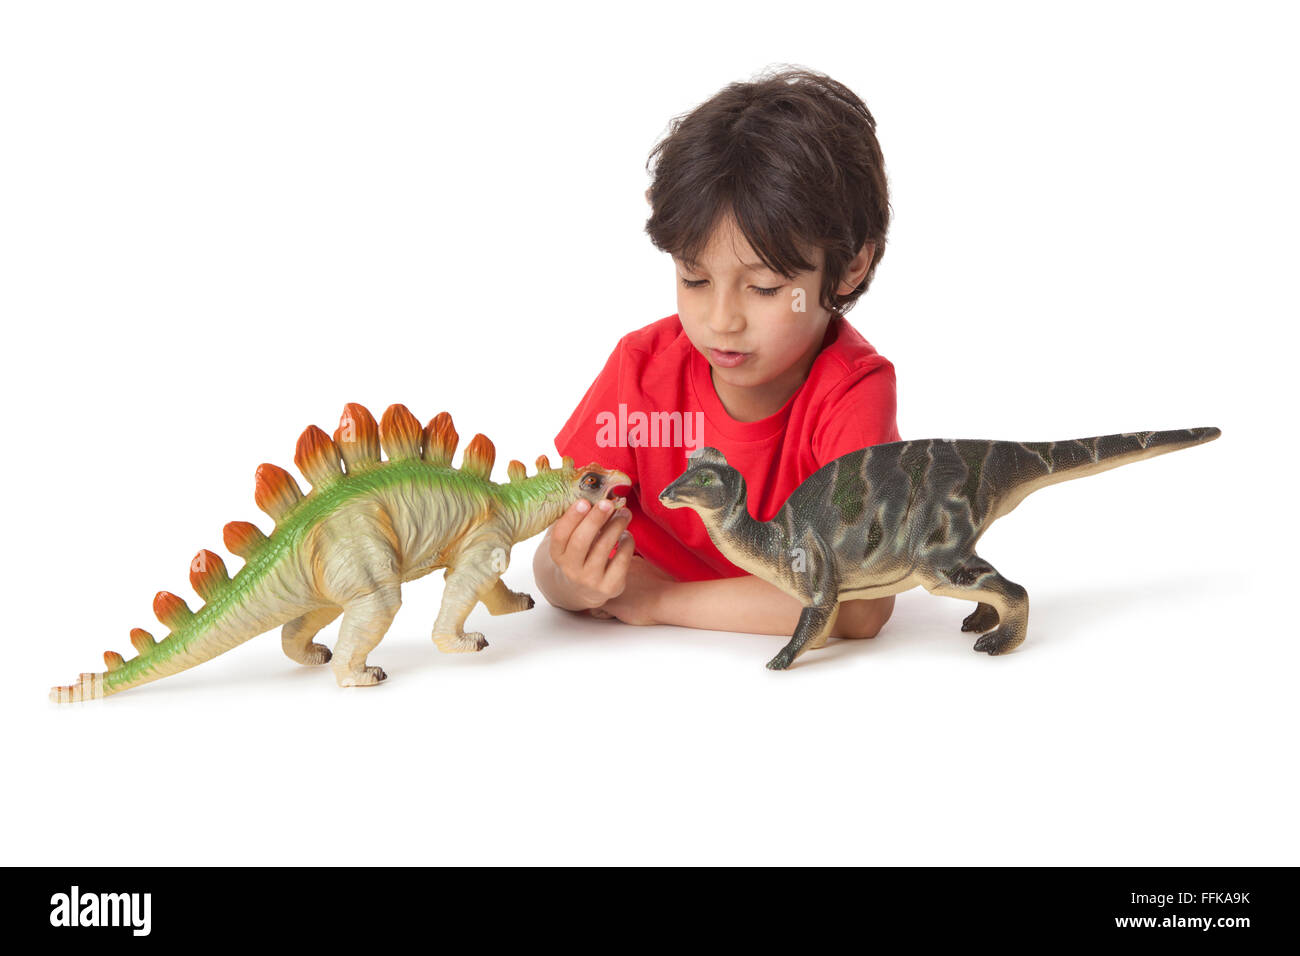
616	574
562	530
579	547
599	555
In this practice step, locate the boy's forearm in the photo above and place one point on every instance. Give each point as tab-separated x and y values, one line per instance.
752	605
745	604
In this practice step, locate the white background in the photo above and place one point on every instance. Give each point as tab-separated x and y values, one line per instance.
223	221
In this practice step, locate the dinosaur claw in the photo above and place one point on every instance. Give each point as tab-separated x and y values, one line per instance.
460	644
998	641
983	618
317	654
366	677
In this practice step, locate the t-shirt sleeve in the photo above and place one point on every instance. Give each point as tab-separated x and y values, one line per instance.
580	438
864	413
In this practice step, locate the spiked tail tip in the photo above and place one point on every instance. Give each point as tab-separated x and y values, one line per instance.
88	687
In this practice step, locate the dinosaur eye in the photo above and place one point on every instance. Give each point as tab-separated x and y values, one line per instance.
704	478
590	481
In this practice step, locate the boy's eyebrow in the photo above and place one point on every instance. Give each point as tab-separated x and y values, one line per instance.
751	266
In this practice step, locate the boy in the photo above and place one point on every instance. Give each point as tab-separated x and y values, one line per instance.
771	198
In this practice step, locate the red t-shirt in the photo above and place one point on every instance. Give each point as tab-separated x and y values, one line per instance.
624	422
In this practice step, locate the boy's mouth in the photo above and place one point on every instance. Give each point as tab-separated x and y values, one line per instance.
727	359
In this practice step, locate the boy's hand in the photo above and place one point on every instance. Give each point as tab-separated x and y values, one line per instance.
580	546
639	602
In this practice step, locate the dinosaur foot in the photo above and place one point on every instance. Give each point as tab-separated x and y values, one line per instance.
366	677
315	654
460	643
983	618
782	660
518	602
999	641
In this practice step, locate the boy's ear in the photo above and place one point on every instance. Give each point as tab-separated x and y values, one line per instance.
647	198
857	267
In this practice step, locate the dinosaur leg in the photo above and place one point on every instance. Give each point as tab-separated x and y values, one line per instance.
983	618
469	582
819	639
501	600
977	580
815	624
365	622
296	636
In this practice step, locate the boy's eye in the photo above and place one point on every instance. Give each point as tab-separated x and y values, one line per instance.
696	283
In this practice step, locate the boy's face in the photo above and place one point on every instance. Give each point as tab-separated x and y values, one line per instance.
758	330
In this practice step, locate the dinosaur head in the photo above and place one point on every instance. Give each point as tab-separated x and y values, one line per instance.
708	485
594	482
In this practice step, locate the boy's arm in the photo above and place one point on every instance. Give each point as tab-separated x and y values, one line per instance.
746	603
573	570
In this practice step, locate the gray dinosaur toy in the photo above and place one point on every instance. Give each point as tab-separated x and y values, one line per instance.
887	518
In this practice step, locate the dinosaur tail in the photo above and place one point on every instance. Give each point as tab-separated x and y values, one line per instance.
236	609
1022	468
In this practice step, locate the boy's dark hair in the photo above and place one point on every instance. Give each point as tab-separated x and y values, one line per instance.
793	156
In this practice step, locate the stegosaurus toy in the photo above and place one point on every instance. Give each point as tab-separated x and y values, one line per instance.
887	518
366	527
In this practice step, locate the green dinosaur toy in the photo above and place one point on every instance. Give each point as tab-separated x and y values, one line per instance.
367	526
890	517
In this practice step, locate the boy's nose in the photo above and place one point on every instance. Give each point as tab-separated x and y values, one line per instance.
726	320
